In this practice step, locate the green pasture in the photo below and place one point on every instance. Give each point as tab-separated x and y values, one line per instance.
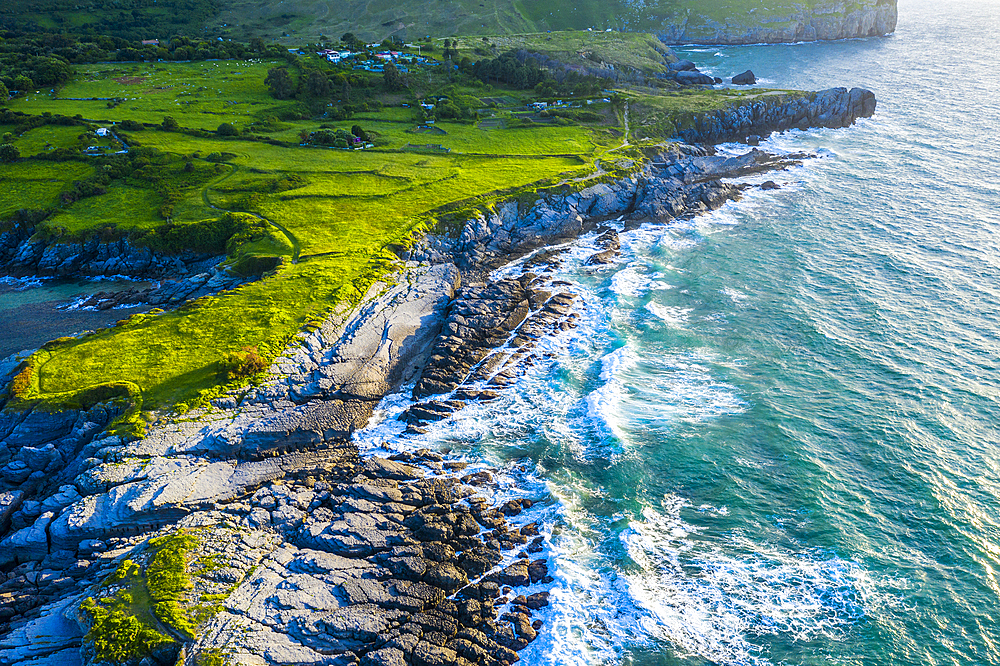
199	95
332	213
36	184
333	210
50	137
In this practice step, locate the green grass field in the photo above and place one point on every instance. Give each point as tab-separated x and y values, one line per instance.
332	213
337	210
199	95
637	50
36	184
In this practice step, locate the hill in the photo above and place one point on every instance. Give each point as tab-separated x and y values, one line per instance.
674	21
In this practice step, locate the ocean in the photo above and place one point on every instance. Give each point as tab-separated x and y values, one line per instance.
773	437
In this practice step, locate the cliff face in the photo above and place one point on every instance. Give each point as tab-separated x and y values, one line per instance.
739	24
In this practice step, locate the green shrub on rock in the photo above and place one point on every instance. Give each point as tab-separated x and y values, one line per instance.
242	364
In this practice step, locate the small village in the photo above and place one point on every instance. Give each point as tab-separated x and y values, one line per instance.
369	60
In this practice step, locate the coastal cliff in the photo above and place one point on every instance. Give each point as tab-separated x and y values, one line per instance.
741	24
309	547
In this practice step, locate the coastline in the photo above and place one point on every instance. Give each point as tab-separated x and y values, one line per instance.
292	434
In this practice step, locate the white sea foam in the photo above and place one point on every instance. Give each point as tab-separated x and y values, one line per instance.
735	295
673	316
22	283
674	388
714	601
632	283
78	304
604	403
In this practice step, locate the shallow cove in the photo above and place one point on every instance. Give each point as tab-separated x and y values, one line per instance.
30	313
772	438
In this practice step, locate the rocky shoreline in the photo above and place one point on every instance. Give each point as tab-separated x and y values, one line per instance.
296	546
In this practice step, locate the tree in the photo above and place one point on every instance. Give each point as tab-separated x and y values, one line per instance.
317	85
226	129
4	93
9	153
352	42
257	44
280	83
169	124
23	84
358	132
391	77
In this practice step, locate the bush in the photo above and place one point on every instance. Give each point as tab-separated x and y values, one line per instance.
119	638
21	384
130	125
169	124
9	153
242	364
226	129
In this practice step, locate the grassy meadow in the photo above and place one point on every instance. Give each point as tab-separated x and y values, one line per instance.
333	212
325	215
637	50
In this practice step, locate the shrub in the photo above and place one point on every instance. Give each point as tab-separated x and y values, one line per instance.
21	384
9	153
242	364
226	129
119	638
169	124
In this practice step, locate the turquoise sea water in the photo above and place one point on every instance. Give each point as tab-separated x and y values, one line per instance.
36	310
773	439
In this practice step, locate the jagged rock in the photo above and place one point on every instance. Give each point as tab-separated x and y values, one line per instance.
515	575
537	601
538	570
693	78
747	78
387	656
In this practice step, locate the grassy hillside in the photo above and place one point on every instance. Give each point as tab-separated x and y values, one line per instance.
268	193
310	20
639	51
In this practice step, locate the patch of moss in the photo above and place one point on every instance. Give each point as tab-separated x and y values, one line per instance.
167	580
144	613
213	657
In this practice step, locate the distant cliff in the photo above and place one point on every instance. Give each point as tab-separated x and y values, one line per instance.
739	23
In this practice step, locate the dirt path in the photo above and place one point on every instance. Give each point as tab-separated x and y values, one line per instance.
296	248
599	170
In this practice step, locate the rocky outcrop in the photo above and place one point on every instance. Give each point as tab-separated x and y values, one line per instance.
165	294
680	182
24	253
824	21
833	108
